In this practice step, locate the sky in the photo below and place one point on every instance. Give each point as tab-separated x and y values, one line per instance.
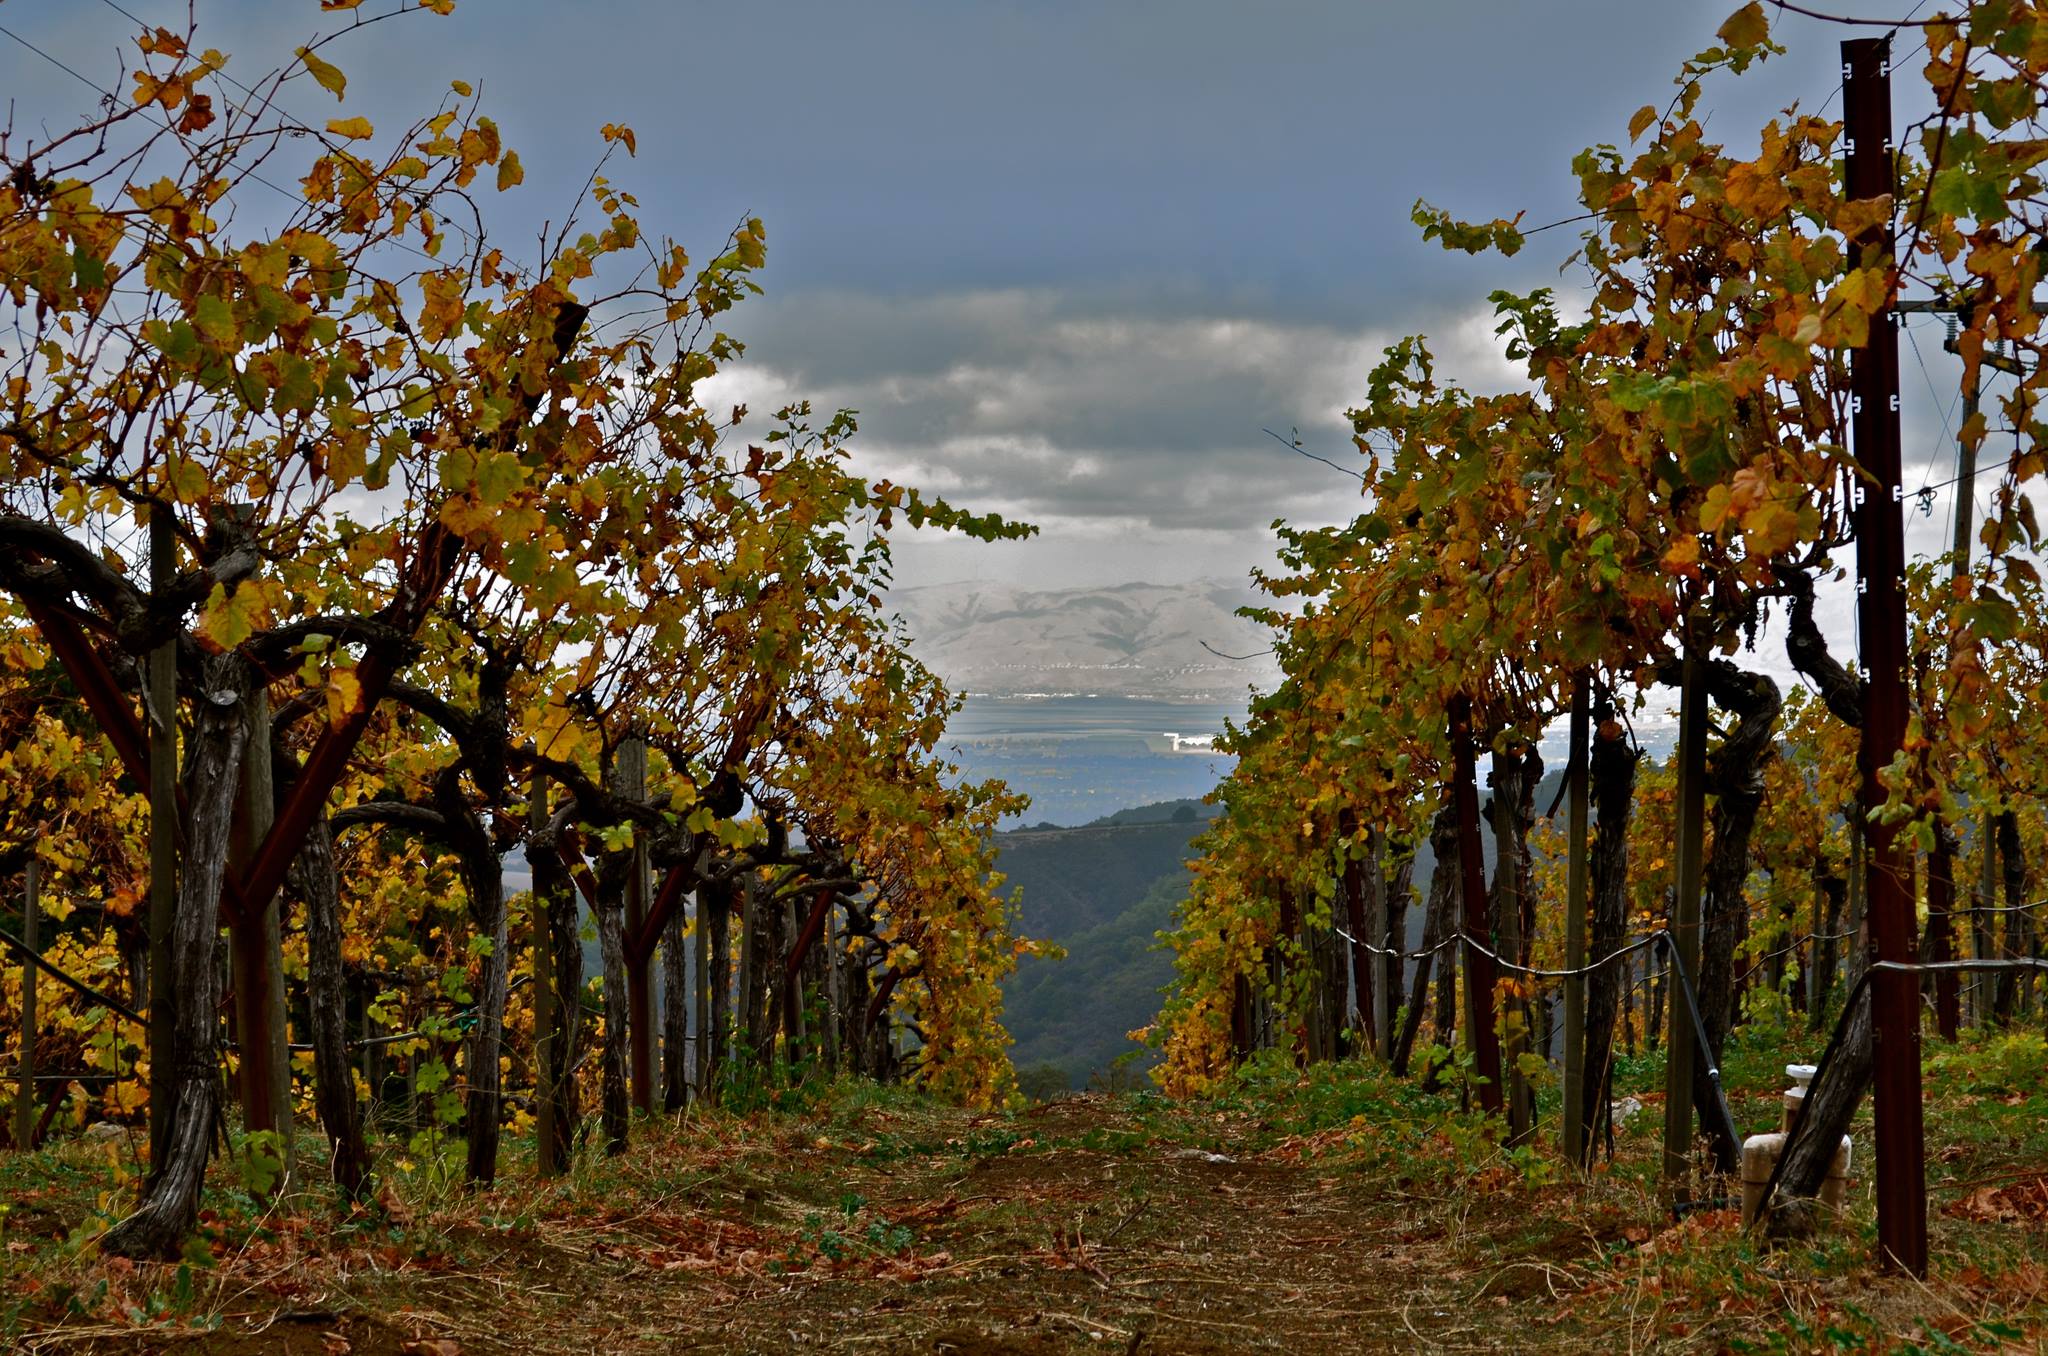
1068	260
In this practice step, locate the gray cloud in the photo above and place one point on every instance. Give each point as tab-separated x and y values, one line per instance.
1063	406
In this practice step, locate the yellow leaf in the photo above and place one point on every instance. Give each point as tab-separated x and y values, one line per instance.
1714	512
1645	115
231	618
510	171
460	87
613	131
344	695
1770	528
355	129
1746	27
439	6
1684	556
329	77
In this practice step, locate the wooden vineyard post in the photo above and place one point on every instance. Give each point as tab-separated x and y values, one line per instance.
1364	1017
1881	625
1575	929
25	1100
1480	1032
161	710
1679	1043
1946	984
675	1009
1941	914
700	1080
547	1024
1389	932
255	953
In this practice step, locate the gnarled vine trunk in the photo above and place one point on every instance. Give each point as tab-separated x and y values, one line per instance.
1513	810
1612	769
1735	780
1396	887
2019	939
1443	842
560	965
614	1102
1792	1209
485	879
170	1200
334	1086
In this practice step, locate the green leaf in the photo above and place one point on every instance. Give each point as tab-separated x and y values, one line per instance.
177	340
1965	191
431	1075
89	269
261	1161
215	320
296	389
1993	617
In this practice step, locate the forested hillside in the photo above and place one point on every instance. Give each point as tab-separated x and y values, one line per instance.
1103	892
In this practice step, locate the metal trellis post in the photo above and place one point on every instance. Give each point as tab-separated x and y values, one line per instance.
1881	622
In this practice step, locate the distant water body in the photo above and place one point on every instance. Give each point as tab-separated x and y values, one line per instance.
1080	757
985	718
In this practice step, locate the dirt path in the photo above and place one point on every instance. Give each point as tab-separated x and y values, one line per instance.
1089	1224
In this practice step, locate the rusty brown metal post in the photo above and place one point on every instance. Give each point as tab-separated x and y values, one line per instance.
1881	623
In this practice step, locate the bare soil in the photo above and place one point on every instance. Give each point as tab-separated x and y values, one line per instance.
1073	1227
874	1220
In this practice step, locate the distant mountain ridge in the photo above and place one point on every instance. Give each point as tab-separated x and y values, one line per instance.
1130	640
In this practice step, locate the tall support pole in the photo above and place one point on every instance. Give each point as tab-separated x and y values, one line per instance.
1983	931
1363	1018
1575	928
1946	1000
1881	622
255	949
707	895
1390	892
1680	1043
547	1025
1480	1032
161	689
25	1100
